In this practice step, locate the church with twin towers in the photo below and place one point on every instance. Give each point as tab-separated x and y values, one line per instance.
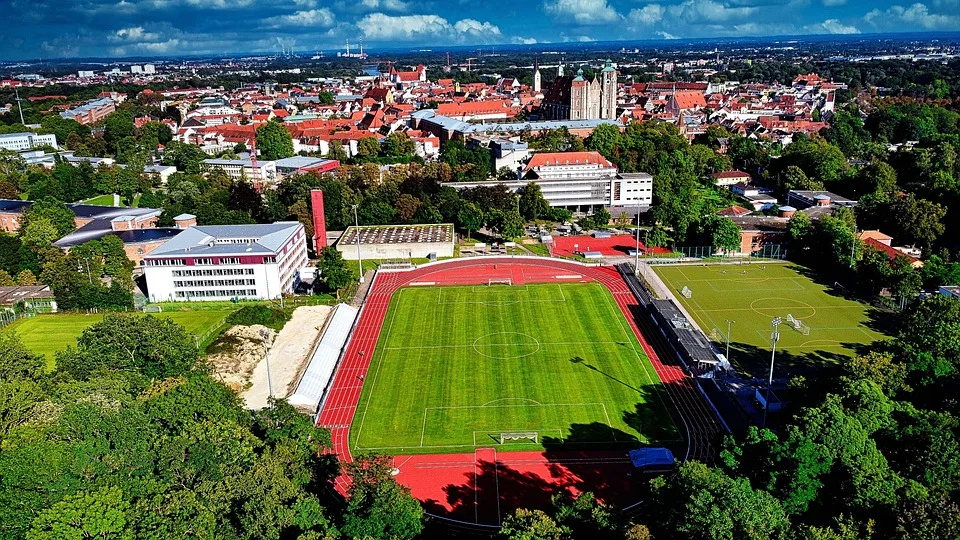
576	98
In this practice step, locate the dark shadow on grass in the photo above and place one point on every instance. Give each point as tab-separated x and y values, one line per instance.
581	361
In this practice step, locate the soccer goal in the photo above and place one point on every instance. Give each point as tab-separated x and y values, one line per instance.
503	281
519	436
152	309
798	325
686	292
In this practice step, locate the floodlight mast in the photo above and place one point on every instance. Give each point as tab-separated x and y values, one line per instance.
774	337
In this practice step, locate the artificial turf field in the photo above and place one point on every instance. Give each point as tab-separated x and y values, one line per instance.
47	334
751	295
455	367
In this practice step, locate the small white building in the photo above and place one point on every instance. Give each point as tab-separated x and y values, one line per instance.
25	141
224	262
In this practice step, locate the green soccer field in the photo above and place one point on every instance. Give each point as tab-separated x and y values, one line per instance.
830	327
455	367
47	334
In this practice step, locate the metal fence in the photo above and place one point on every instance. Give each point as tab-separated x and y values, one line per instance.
705	254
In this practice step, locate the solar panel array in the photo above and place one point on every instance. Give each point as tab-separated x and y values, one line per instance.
399	234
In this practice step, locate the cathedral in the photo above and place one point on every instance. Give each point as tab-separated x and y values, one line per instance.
575	98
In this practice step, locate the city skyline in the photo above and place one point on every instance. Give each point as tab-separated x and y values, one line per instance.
126	28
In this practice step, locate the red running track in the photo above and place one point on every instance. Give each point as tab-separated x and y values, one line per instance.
618	245
481	487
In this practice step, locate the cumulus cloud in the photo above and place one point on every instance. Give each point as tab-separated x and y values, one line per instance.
381	27
523	41
915	16
648	14
386	5
135	33
708	12
834	3
831	26
312	17
586	12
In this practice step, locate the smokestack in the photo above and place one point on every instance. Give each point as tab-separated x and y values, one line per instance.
319	224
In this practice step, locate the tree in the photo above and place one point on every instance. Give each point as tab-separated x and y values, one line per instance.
336	151
274	141
702	502
39	233
368	147
469	217
87	514
333	270
532	204
407	206
325	97
149	345
531	525
917	221
16	361
379	507
54	210
508	224
601	218
398	144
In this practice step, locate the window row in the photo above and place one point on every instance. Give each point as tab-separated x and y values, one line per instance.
213	283
217	272
226	293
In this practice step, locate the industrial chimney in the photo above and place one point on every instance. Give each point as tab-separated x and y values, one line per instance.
319	224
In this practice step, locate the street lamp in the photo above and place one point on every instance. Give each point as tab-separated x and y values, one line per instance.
775	336
729	322
80	269
356	235
266	357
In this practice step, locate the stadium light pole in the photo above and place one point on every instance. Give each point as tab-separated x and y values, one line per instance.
357	237
266	357
775	336
729	322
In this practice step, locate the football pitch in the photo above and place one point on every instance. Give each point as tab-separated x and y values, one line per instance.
455	368
47	334
828	327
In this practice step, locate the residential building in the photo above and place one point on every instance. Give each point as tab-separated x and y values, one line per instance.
26	141
27	298
808	198
224	262
729	178
90	112
446	128
264	173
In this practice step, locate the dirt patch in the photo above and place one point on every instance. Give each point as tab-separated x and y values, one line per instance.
289	354
233	357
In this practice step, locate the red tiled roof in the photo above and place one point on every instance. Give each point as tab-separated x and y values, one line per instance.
731	174
689	99
887	250
733	211
567	158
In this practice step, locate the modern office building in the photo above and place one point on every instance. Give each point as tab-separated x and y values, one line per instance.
264	173
26	141
224	262
580	182
91	112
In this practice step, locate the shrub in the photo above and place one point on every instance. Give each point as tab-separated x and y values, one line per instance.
264	315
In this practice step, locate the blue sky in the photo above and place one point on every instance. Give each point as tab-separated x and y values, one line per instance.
118	28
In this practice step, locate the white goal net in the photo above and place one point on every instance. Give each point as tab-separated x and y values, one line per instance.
502	281
519	436
686	292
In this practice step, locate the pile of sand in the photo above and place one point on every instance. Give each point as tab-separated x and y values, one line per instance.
238	351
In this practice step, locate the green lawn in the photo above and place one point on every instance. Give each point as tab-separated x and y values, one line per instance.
752	295
101	200
457	366
47	334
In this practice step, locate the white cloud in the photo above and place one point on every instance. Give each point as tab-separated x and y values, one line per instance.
708	12
834	3
831	26
134	33
381	27
666	35
523	41
312	17
916	16
648	14
585	39
387	5
587	12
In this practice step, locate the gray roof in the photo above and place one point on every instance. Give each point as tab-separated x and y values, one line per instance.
202	240
299	162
